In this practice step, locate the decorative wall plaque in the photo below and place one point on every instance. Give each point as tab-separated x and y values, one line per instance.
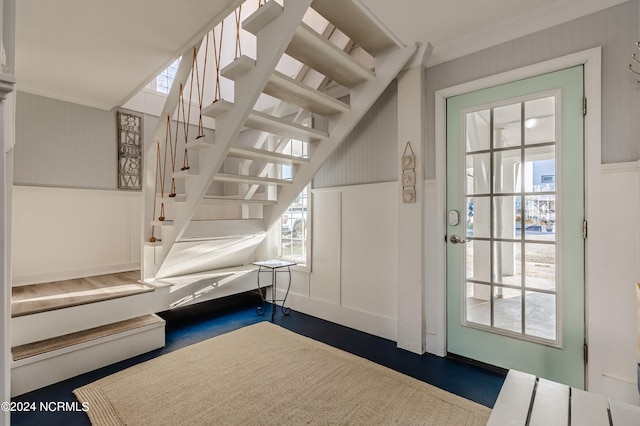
130	144
408	163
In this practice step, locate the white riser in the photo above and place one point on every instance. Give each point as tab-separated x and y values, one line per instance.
207	286
41	326
42	370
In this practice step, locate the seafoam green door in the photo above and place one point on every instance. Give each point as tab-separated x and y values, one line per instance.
515	204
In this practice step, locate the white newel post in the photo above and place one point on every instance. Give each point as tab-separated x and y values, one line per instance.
411	288
7	136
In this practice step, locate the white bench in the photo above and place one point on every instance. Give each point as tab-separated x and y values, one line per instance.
526	400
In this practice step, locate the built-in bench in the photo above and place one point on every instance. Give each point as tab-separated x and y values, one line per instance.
51	360
526	400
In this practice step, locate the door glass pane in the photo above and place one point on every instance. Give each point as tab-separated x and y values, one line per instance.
478	174
540	266
478	255
506	214
540	311
507	308
507	263
540	217
506	171
540	169
478	130
478	303
540	120
506	126
478	215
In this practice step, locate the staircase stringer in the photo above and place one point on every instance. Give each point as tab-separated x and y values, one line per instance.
271	43
388	64
149	175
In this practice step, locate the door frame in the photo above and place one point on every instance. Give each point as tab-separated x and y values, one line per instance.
591	59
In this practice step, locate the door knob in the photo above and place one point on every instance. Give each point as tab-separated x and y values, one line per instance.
457	240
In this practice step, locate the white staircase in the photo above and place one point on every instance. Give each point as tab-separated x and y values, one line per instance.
237	183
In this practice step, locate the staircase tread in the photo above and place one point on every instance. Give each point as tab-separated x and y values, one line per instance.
283	127
262	17
358	25
261	154
268	123
313	50
230	177
37	298
238	67
67	340
235	200
289	90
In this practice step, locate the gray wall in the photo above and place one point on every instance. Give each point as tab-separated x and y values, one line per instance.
615	29
65	145
62	144
368	154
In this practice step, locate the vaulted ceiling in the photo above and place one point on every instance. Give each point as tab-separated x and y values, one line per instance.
100	53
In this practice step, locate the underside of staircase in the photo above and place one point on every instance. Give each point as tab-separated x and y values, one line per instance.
234	191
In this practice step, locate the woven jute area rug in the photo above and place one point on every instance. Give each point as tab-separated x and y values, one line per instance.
266	375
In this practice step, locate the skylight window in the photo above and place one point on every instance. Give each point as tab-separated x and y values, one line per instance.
164	80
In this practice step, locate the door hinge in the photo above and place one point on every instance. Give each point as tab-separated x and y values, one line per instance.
584	229
584	105
586	353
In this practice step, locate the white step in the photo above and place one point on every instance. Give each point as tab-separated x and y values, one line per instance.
313	50
289	90
52	360
204	254
162	222
217	109
201	143
269	156
238	67
268	123
282	127
44	325
179	198
357	23
237	201
262	17
183	174
198	229
256	180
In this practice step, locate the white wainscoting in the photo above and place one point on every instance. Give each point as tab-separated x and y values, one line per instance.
353	279
620	251
61	233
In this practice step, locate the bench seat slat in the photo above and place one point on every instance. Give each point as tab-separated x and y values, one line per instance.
623	414
588	409
512	405
550	405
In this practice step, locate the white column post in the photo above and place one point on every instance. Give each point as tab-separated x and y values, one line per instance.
411	287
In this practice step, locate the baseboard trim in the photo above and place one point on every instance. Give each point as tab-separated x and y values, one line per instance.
360	320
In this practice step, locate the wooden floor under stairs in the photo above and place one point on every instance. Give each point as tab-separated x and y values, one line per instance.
35	298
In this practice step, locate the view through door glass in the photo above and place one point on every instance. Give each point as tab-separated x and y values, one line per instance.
510	218
515	247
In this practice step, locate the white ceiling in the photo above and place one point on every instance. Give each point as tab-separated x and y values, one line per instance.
100	53
458	27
